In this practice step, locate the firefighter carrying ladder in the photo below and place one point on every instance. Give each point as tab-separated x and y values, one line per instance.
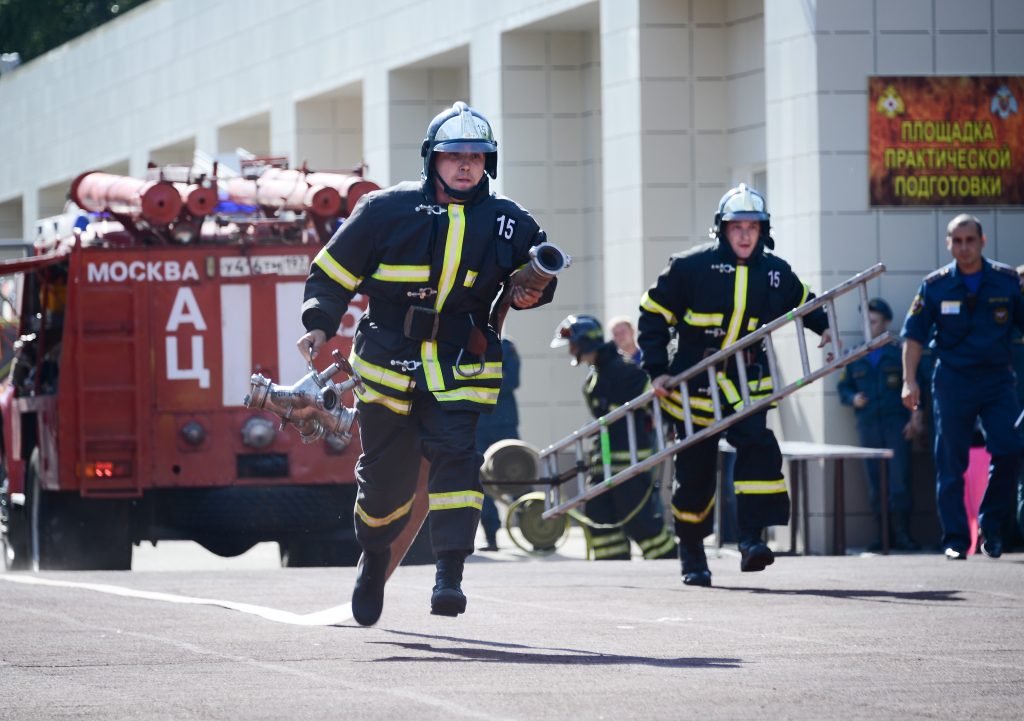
555	479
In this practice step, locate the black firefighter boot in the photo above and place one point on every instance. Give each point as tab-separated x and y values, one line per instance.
754	552
695	564
901	538
368	594
448	598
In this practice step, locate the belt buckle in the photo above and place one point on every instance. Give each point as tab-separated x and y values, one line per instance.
407	326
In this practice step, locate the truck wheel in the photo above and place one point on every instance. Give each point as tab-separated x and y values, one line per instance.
14	535
42	545
67	532
312	553
225	546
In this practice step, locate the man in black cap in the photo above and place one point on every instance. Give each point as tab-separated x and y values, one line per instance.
872	385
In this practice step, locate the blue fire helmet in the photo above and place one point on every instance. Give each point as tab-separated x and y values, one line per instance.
460	129
582	333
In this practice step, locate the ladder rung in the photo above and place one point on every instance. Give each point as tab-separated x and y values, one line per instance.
805	363
741	373
713	392
864	315
631	430
773	363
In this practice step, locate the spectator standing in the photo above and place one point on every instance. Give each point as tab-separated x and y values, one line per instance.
872	386
624	335
974	304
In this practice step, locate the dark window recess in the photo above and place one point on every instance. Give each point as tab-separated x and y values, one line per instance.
262	465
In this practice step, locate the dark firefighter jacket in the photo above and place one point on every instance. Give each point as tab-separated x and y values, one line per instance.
431	273
612	381
711	301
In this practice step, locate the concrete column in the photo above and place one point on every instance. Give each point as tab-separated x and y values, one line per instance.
282	130
376	121
622	153
485	86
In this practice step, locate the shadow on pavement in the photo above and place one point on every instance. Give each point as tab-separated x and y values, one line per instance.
854	594
496	652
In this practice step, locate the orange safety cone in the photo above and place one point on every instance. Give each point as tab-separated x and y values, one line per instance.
975	483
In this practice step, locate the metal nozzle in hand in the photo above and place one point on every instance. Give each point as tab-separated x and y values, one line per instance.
312	404
546	261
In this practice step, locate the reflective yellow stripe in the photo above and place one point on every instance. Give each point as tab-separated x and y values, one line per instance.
739	306
732	396
335	271
616	550
390	518
452	253
402	273
383	376
607	539
699	402
368	395
456	499
676	411
591	382
763	384
470	278
649	304
653	540
488	396
759	487
807	291
666	544
690	517
491	371
431	368
702	319
752	324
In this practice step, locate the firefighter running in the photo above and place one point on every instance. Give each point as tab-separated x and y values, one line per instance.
629	510
432	257
711	296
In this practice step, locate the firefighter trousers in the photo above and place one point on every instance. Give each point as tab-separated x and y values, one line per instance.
636	502
761	497
389	467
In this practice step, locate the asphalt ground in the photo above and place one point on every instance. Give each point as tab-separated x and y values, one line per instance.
908	637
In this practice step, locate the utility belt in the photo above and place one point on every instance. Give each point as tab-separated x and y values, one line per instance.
418	322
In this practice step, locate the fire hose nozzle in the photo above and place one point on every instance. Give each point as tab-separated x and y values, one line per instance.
546	261
313	404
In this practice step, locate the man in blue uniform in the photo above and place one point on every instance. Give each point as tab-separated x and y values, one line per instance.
974	304
630	510
432	256
710	297
872	385
499	425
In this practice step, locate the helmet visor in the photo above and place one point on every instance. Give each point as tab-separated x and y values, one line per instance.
464	126
465	146
563	333
744	205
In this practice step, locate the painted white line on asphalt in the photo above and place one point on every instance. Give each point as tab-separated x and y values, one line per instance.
327	617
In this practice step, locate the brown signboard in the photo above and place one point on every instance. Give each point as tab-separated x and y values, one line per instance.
946	140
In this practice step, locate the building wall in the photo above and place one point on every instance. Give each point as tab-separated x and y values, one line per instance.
818	59
620	124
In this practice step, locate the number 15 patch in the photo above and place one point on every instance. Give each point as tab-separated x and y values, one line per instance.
506	227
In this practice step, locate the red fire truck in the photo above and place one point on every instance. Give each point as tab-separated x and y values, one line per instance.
143	313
